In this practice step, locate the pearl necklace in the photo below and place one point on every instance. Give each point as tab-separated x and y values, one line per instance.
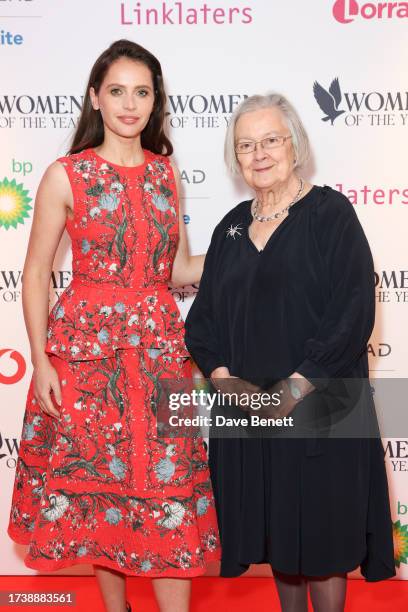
281	212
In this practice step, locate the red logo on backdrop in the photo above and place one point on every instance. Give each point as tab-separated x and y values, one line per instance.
345	11
21	367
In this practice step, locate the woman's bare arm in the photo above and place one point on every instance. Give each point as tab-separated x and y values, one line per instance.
187	269
54	198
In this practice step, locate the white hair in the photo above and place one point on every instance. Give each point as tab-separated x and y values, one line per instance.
300	139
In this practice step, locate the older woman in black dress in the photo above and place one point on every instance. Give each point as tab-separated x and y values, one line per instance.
288	293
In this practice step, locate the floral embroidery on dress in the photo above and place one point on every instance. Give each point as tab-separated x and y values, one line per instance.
128	247
100	485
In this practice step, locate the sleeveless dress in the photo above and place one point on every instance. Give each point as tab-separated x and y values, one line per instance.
99	486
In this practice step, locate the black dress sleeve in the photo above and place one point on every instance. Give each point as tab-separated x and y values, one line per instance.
201	336
348	319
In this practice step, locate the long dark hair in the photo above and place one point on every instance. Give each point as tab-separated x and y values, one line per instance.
90	131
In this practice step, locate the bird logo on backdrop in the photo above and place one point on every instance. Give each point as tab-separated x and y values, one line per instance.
329	101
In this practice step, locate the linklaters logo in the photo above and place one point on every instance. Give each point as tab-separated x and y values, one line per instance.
400	534
14	205
346	11
375	108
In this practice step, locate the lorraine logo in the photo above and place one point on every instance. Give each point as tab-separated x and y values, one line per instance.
400	535
329	100
21	367
14	205
346	11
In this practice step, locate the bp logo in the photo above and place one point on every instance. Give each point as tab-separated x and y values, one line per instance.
14	205
400	533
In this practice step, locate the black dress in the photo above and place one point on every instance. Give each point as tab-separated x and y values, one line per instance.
304	303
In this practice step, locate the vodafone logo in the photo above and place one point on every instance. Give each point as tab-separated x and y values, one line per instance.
346	11
21	367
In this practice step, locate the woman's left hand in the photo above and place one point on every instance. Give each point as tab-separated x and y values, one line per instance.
287	400
291	391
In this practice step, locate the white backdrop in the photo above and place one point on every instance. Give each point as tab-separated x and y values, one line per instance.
213	54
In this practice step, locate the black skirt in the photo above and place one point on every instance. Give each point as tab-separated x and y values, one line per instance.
305	506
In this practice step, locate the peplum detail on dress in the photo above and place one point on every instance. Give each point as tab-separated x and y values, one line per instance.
89	322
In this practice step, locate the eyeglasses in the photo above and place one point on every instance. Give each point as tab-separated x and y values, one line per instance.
249	146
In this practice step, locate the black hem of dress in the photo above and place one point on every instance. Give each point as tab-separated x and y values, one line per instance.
350	567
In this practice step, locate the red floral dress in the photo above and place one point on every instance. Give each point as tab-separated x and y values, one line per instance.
99	486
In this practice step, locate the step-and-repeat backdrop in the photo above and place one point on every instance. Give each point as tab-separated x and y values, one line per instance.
213	54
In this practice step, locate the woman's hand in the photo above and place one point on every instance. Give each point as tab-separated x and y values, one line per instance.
291	391
233	385
221	379
300	384
221	372
45	379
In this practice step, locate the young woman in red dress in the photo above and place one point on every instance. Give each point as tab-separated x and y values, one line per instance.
94	482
